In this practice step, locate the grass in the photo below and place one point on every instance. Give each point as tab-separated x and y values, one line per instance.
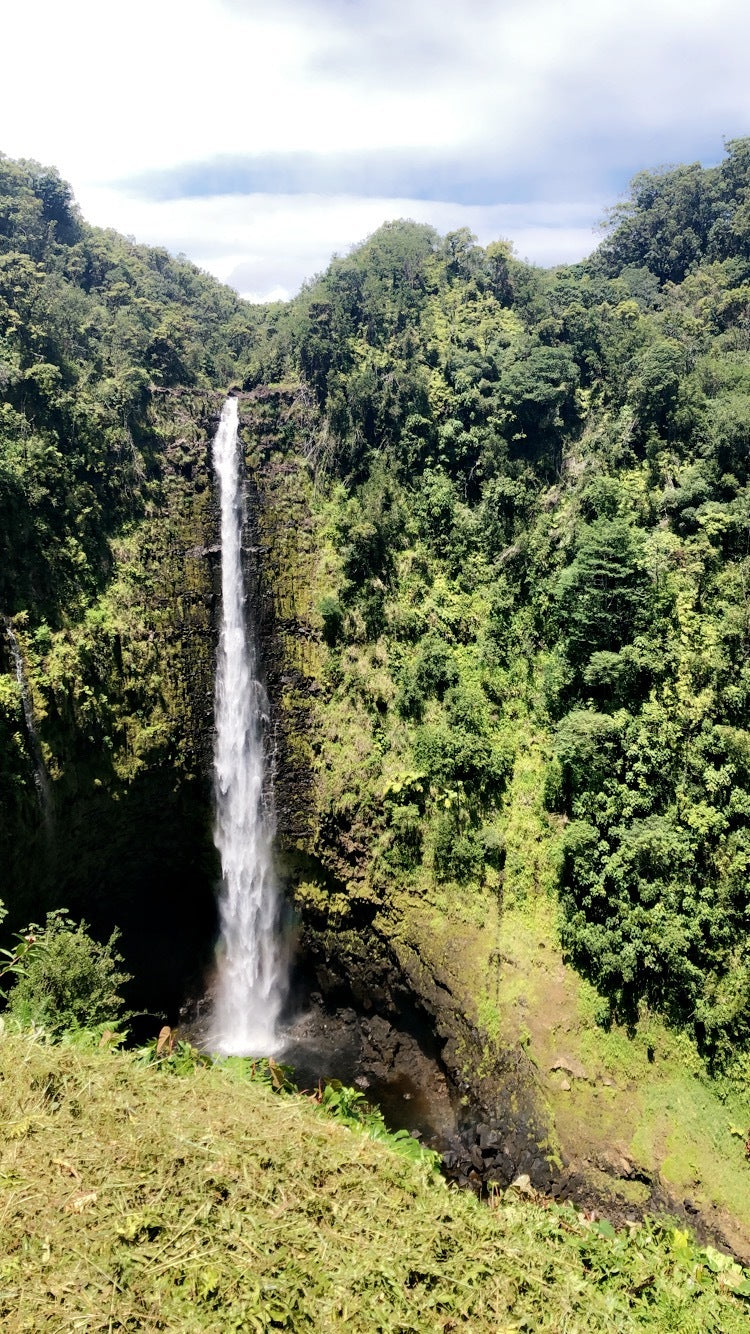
645	1096
133	1199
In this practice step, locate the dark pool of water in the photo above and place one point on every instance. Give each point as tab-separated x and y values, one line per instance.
387	1065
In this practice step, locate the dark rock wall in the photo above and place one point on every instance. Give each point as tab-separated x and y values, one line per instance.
123	698
280	557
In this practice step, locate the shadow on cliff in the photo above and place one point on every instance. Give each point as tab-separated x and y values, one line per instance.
140	860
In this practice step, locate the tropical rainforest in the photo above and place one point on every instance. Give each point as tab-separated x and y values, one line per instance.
499	550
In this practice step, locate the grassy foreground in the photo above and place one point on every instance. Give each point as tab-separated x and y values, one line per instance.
132	1199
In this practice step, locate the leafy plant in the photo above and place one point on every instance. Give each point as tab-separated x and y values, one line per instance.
350	1106
65	979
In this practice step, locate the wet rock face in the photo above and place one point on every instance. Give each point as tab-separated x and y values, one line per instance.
279	556
126	731
415	1039
387	1064
399	1068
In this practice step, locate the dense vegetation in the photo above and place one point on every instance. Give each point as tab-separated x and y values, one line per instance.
528	497
96	335
543	507
89	323
542	521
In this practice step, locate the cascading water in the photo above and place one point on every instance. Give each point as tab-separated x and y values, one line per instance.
251	979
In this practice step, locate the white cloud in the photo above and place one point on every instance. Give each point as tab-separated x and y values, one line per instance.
106	91
268	244
571	97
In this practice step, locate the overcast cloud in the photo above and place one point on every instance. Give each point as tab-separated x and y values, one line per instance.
260	136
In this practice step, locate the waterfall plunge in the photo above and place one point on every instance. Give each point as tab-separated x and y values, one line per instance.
251	970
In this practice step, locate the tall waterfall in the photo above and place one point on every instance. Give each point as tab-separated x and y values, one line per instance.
251	969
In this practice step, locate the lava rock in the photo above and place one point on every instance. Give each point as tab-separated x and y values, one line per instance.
486	1137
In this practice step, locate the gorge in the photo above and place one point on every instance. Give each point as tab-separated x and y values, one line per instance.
496	557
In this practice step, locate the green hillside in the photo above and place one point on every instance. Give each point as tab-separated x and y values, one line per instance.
498	543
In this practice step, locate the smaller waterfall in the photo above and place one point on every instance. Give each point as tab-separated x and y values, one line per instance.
251	978
41	777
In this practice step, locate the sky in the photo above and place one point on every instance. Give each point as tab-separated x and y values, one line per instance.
259	137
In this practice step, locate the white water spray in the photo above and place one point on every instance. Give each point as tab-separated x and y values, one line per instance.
251	970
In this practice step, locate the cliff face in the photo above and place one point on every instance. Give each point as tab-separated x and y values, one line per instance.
361	940
109	354
121	700
478	977
123	710
122	706
277	432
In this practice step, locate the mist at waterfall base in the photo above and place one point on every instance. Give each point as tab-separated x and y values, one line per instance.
251	978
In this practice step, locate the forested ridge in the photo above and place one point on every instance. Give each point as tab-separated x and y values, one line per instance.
533	518
90	323
542	519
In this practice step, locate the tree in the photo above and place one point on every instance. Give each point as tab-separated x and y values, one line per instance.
601	594
66	979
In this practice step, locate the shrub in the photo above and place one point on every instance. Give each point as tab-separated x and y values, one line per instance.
435	667
69	980
493	847
406	824
586	747
332	614
458	855
410	701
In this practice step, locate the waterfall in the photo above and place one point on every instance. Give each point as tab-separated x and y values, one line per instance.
250	984
41	777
